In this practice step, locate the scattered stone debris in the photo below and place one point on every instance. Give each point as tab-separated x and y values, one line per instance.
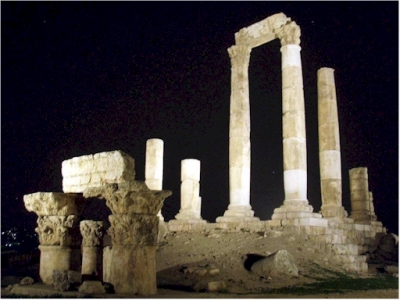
210	286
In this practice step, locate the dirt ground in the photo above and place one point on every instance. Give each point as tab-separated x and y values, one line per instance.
181	257
188	260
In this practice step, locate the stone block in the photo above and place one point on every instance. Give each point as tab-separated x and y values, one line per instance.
279	264
96	170
314	222
278	216
291	222
312	230
273	223
298	215
92	287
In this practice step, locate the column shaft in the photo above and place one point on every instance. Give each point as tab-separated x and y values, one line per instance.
293	124
154	166
359	194
239	208
329	146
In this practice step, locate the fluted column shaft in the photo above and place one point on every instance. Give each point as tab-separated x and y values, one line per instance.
329	146
154	166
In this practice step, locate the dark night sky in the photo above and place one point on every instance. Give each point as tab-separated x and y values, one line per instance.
80	78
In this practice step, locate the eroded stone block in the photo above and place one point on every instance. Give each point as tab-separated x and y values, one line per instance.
96	170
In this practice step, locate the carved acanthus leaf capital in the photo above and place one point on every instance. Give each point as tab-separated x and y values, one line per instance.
133	230
54	204
54	230
92	233
289	34
240	56
130	198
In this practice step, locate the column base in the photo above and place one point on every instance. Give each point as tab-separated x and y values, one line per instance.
294	209
238	214
332	211
362	216
188	216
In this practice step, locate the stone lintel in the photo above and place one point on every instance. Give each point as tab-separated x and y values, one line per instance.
96	170
261	32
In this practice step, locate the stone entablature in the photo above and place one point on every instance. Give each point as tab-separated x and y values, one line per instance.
261	32
96	170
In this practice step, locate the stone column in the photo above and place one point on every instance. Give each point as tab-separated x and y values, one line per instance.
57	218
359	195
329	146
92	233
154	166
190	210
133	231
239	208
293	127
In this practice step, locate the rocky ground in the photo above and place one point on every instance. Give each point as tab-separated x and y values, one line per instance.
190	264
186	261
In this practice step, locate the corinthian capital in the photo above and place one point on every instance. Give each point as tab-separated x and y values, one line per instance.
54	230
54	204
240	55
289	34
92	232
133	230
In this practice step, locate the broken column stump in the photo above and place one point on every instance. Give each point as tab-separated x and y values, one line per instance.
133	231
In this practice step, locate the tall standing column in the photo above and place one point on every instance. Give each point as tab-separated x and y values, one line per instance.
295	204
329	146
359	195
239	208
154	166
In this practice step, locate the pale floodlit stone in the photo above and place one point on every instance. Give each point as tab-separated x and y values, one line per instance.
96	170
154	166
329	146
92	233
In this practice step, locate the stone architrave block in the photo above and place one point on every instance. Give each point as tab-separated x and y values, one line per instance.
96	170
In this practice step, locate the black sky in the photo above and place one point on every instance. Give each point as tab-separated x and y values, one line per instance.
80	78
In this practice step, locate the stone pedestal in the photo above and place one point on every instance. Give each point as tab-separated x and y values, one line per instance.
239	208
329	146
360	196
293	125
134	227
190	211
92	263
57	221
154	166
53	258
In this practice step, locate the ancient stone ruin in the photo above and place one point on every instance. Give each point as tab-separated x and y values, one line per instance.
129	262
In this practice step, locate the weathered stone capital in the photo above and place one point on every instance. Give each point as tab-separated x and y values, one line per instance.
130	198
240	55
54	230
54	204
289	34
92	232
133	230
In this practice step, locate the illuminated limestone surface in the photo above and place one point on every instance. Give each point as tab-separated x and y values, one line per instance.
95	170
